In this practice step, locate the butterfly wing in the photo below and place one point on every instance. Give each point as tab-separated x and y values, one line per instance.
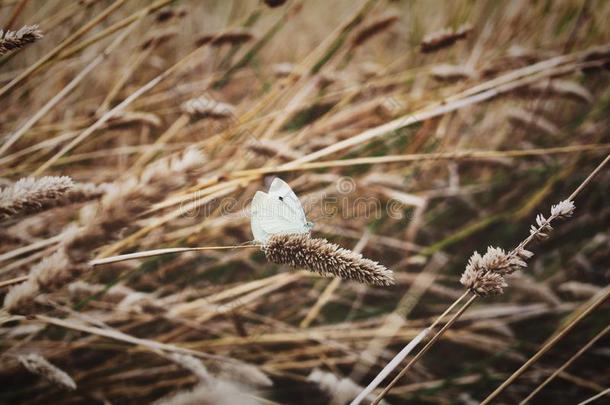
276	217
277	212
281	191
257	211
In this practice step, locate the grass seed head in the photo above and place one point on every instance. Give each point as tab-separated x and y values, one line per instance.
29	195
444	38
11	40
326	259
37	364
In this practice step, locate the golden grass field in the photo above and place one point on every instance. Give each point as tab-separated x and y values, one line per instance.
414	133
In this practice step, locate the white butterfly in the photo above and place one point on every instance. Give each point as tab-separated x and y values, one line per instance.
277	212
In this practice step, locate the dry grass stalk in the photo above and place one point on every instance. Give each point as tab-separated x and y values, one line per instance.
477	279
595	397
122	105
565	365
515	57
562	88
30	195
590	307
102	222
326	259
580	290
474	95
222	301
395	322
417	157
129	198
430	343
219	391
167	14
273	148
161	252
11	40
64	44
80	290
158	38
38	365
375	110
126	118
395	362
444	38
234	37
67	89
529	120
79	33
375	27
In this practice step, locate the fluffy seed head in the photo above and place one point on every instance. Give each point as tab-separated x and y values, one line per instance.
30	195
191	364
326	259
37	364
340	390
245	373
452	72
203	107
482	283
48	274
19	299
484	275
563	209
496	260
218	392
11	40
444	38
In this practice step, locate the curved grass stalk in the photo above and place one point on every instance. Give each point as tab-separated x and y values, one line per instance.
161	252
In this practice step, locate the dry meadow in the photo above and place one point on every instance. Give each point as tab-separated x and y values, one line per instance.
452	156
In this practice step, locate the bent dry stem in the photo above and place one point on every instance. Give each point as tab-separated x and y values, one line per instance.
509	263
427	347
594	305
565	365
161	252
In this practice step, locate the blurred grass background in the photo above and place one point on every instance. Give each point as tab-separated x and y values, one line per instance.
299	78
